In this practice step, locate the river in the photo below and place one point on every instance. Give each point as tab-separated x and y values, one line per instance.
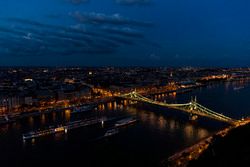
159	132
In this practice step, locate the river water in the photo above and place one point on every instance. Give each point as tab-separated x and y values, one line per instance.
159	132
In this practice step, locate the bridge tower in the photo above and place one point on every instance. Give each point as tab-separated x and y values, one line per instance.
193	107
193	103
134	90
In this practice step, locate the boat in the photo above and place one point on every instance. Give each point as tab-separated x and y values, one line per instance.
111	132
60	129
28	135
125	121
40	133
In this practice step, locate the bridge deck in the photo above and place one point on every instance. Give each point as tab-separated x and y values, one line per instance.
192	107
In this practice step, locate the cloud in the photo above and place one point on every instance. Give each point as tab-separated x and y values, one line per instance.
103	19
39	25
133	2
5	30
124	31
93	34
22	37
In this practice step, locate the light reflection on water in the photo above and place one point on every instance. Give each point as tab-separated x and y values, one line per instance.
53	116
67	115
43	119
115	105
33	142
167	124
189	132
31	121
162	122
202	133
156	132
173	125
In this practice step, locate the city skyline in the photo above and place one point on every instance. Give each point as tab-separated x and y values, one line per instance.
124	33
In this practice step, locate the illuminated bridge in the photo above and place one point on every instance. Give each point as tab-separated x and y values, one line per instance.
193	108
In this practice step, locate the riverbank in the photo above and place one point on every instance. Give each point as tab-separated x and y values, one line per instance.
13	117
230	149
190	156
10	118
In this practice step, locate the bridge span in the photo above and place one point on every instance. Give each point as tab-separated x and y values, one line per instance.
193	108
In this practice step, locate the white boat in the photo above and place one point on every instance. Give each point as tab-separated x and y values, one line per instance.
125	121
111	132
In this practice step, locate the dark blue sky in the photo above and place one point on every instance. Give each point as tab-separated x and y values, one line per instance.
125	32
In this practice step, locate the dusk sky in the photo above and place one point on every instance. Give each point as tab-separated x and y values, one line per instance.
125	32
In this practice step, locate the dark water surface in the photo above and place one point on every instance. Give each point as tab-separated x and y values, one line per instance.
159	133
